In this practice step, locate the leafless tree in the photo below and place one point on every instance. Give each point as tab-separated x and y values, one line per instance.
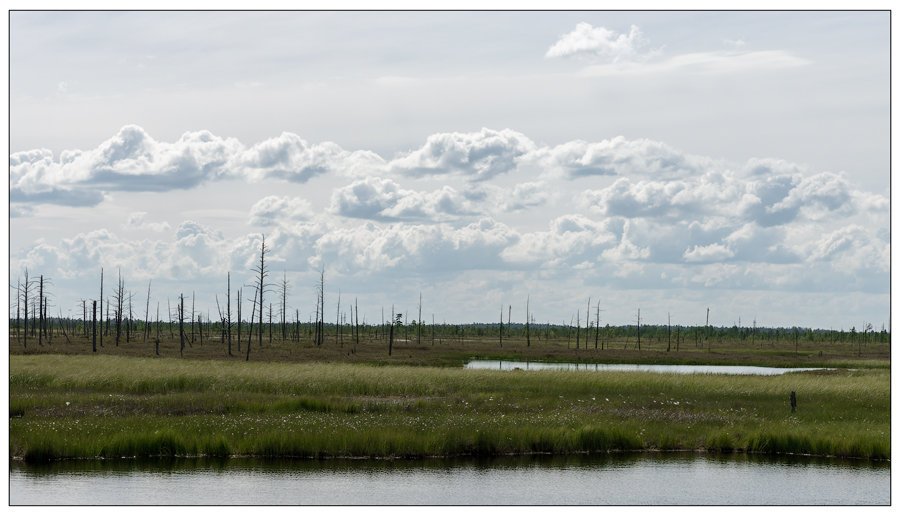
419	323
94	326
228	314
147	313
501	325
181	322
262	273
284	292
101	306
528	320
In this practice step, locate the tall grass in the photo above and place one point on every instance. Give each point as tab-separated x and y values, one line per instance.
85	406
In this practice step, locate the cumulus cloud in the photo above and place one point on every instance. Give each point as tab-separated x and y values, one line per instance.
570	238
382	199
612	53
631	213
274	210
599	42
479	155
291	158
618	157
138	220
133	161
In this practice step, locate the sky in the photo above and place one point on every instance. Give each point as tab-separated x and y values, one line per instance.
663	161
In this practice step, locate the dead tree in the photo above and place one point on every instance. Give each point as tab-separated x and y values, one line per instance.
419	323
509	321
101	306
284	291
181	322
157	329
94	326
250	329
193	299
228	314
41	312
578	328
24	290
501	325
119	296
528	321
639	330
668	331
320	310
238	316
391	338
587	325
147	313
337	323
262	273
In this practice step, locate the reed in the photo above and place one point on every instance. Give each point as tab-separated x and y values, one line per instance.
86	406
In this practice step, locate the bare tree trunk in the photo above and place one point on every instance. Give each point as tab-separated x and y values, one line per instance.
669	331
391	338
157	328
193	299
239	322
250	329
94	326
41	312
501	325
147	312
181	322
101	306
578	329
528	321
639	330
228	314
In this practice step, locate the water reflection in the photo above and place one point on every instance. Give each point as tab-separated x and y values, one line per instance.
629	479
503	365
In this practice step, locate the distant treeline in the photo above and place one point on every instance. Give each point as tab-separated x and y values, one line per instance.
203	328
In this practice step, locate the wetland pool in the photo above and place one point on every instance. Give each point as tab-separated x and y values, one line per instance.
601	479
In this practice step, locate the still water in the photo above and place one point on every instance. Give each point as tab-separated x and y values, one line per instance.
615	479
680	369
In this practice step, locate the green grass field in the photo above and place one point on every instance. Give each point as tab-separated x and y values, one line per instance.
105	405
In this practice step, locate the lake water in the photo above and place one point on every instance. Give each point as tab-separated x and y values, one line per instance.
614	479
681	369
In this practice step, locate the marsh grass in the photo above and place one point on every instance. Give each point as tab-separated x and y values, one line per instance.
107	406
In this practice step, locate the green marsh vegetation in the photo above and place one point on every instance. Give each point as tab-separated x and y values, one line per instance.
186	385
68	406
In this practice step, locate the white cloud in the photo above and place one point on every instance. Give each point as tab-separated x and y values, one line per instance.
291	158
708	253
703	63
601	42
137	220
275	210
479	156
618	157
614	54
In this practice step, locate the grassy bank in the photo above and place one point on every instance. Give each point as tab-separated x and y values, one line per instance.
111	406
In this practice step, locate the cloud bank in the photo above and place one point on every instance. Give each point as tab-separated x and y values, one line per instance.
618	213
